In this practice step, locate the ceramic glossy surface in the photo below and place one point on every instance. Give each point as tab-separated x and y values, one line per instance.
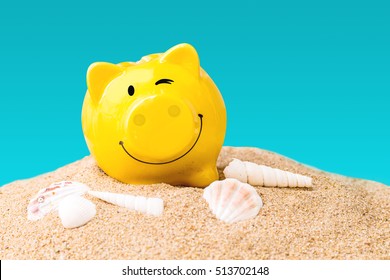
161	119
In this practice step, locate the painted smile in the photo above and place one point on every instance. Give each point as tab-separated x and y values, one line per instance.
166	162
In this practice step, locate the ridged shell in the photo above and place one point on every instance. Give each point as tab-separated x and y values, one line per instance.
231	200
75	211
148	205
47	199
261	175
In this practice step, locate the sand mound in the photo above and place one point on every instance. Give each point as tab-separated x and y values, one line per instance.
339	218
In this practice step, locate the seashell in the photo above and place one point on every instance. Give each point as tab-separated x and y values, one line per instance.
232	201
48	198
147	205
261	175
75	211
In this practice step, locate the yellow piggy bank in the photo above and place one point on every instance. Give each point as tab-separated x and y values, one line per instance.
159	120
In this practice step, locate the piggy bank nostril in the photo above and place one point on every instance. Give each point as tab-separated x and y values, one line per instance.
139	119
174	111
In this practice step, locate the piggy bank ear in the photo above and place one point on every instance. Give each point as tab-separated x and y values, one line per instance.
184	55
99	75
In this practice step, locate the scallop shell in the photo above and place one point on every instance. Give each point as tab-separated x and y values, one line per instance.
75	211
231	200
48	199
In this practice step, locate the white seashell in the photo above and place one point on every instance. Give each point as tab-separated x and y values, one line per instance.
147	205
261	175
232	201
75	211
48	198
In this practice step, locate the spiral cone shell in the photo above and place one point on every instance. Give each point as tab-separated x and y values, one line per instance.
147	205
261	175
232	201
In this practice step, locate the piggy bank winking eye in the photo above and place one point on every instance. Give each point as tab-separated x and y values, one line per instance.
159	120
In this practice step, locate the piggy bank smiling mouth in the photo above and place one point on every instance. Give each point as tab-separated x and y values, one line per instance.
122	144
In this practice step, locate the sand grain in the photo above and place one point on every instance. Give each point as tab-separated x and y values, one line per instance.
338	218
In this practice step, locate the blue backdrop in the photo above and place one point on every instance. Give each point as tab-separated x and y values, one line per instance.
306	79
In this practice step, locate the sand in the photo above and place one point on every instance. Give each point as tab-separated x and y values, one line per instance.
338	218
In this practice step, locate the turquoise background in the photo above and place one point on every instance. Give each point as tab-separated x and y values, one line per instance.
306	79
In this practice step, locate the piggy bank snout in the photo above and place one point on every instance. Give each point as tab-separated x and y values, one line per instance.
160	129
139	118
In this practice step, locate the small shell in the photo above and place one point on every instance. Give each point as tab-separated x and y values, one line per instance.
232	201
148	205
75	211
47	199
261	175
